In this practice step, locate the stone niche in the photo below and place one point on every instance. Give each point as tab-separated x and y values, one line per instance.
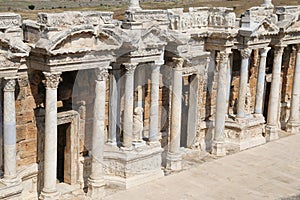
128	168
245	132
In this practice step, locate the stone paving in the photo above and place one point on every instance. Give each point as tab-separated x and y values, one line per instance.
270	171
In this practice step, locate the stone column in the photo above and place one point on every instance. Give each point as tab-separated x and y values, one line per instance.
134	5
218	145
268	4
140	78
293	122
229	72
273	109
245	53
50	146
260	86
114	106
154	104
174	156
128	105
96	181
9	127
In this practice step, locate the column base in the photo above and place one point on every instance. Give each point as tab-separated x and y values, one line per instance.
96	188
49	195
174	161
271	133
293	127
218	148
11	181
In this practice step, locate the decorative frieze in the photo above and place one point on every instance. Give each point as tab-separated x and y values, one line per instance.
9	20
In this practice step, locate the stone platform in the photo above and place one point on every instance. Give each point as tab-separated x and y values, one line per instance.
127	168
244	133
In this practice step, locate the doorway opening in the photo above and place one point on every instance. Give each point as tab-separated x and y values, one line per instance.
63	152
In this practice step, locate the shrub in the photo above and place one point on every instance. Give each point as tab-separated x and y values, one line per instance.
31	7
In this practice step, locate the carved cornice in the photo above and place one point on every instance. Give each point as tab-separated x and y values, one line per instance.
9	85
102	74
130	67
246	53
52	80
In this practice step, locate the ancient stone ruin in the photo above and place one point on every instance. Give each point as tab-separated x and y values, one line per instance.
90	102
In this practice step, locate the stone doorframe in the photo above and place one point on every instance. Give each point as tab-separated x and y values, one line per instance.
72	144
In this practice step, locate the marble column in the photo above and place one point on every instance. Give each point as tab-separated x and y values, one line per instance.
174	156
218	145
1	132
293	123
229	72
140	81
154	104
96	181
274	98
128	105
50	144
245	53
9	127
134	5
260	86
114	106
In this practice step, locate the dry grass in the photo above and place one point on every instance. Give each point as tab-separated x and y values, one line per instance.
21	7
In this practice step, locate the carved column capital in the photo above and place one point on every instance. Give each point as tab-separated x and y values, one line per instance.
279	50
130	67
264	51
52	79
102	74
223	56
178	63
9	85
246	53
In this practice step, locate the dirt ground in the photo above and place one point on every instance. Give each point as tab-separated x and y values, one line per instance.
22	7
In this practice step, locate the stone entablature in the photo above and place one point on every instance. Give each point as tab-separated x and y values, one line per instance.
177	62
209	19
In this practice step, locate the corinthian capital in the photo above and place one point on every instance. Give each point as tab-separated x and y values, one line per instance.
102	74
246	53
9	85
178	63
52	79
130	67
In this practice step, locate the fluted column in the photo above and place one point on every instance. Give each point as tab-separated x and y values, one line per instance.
9	127
114	106
50	147
293	122
245	53
174	156
128	105
96	180
260	86
274	99
218	146
154	104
